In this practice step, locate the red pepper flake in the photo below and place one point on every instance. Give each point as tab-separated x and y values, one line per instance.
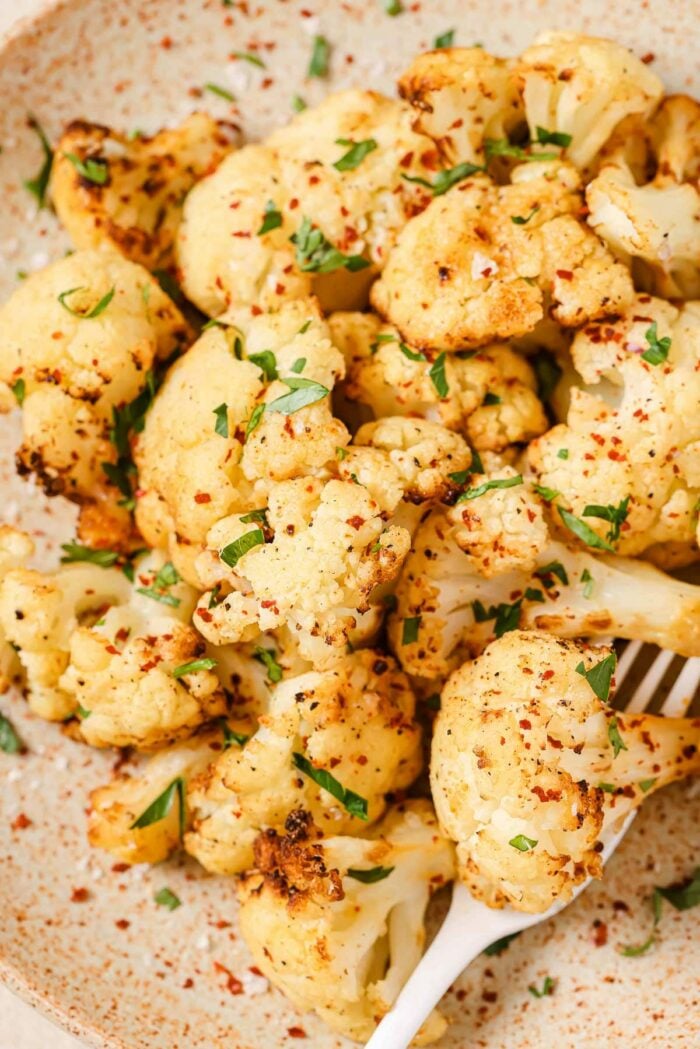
355	522
256	311
296	1032
166	43
123	923
547	675
21	822
648	58
255	971
202	497
79	895
189	982
233	984
525	723
565	274
600	933
119	868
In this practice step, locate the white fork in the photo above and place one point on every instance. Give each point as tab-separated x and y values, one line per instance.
471	926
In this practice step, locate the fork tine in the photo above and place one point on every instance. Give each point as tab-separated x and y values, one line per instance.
681	695
626	660
646	689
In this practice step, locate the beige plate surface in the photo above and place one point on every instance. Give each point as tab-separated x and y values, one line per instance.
153	983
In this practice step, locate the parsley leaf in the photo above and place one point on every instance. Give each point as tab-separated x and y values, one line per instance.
642	948
299	365
684	896
534	595
19	390
266	656
587	580
646	784
554	138
563	453
162	805
96	310
254	421
75	552
92	169
233	552
318	65
599	678
248	56
166	577
272	218
267	362
657	353
10	743
231	736
616	515
221	92
355	154
446	39
411	626
352	802
368	877
522	220
254	515
507	617
522	843
547	988
166	898
316	254
393	7
38	185
412	355
548	494
499	946
583	531
221	424
553	568
193	666
547	372
501	147
438	377
489	486
298	104
446	178
303	392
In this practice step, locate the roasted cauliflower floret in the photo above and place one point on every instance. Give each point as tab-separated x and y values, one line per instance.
353	725
629	469
331	943
488	395
330	549
448	607
15	549
462	96
280	219
582	87
527	814
140	676
128	191
79	340
654	226
218	432
463	273
141	818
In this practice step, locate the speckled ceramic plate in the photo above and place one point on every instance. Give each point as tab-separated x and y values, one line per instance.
106	962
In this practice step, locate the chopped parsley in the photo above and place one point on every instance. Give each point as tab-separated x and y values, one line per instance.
166	898
490	399
19	389
38	185
489	486
320	55
233	552
272	218
267	362
446	39
254	515
548	494
614	736
563	453
316	254
254	421
193	666
501	147
522	220
555	568
10	743
82	713
534	595
92	169
166	577
548	373
352	802
646	784
499	946
393	7
446	178
438	377
411	626
587	580
583	531
356	153
76	552
231	736
599	678
547	988
683	896
522	843
162	805
369	876
303	392
553	138
298	104
221	424
96	310
299	365
412	355
634	951
657	352
248	56
266	656
615	515
220	92
507	617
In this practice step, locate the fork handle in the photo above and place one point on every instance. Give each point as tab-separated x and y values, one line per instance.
462	937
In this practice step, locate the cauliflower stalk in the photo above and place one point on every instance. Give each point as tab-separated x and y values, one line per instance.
333	943
530	767
333	742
